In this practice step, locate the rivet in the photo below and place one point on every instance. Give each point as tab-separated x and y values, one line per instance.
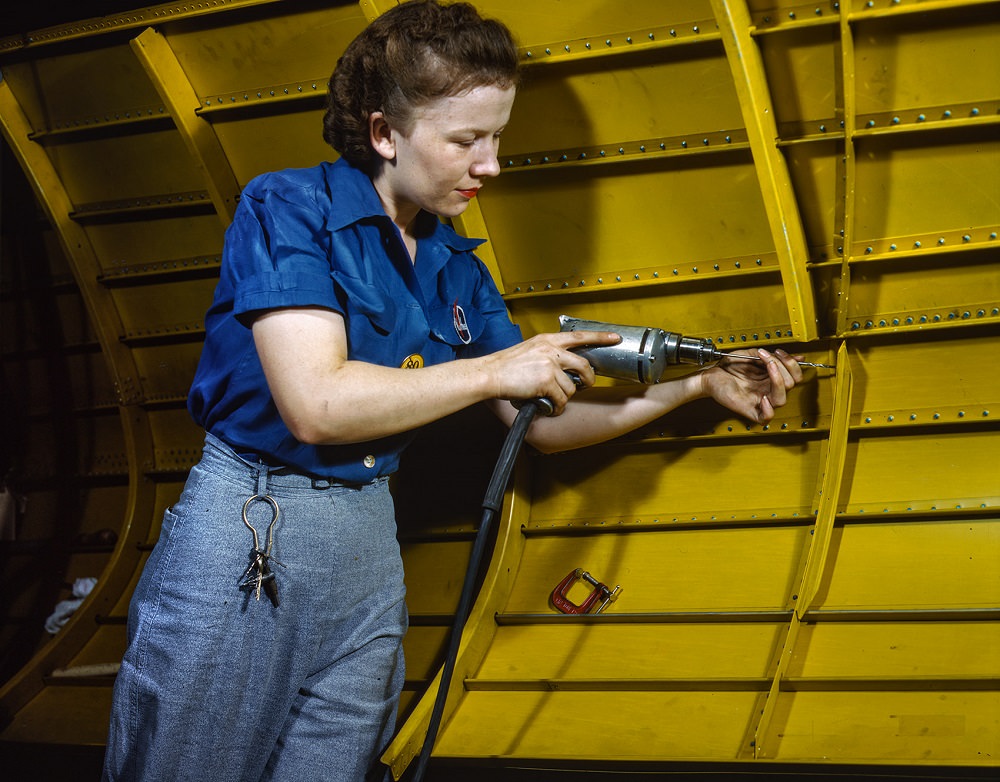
882	323
652	37
760	262
694	269
868	324
729	139
603	153
562	157
663	145
548	51
695	28
947	113
892	418
892	246
545	159
975	112
937	318
642	147
923	318
871	123
895	120
737	264
684	144
921	118
629	39
966	314
587	44
704	141
868	251
966	238
980	313
986	413
791	14
715	266
618	278
636	276
916	243
600	279
621	150
895	321
673	33
822	128
531	288
608	41
993	235
913	416
566	47
565	284
961	414
527	54
941	240
937	416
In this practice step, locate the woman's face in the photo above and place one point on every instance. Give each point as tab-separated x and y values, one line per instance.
449	149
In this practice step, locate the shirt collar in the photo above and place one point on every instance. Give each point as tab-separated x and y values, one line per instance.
353	198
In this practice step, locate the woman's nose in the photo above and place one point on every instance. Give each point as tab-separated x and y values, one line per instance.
486	163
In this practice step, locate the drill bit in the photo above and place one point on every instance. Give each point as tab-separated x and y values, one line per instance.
800	363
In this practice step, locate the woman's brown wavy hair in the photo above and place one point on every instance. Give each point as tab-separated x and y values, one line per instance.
410	55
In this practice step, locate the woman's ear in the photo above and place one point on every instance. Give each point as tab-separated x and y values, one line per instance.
380	135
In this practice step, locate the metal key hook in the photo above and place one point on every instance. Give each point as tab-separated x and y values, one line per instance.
270	527
258	574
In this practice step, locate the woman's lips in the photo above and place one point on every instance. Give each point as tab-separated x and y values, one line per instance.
470	193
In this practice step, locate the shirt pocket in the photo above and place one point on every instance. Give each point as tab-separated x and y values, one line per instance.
358	297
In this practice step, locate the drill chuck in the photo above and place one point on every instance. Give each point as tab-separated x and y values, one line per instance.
643	353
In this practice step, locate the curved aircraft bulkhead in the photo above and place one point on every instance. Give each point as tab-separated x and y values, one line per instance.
816	594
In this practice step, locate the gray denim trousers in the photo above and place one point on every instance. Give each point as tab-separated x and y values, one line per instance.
219	686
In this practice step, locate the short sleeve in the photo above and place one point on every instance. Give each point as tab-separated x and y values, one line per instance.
278	250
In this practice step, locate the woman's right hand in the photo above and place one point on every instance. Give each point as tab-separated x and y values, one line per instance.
546	366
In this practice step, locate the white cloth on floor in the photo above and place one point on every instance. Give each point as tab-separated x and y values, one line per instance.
65	608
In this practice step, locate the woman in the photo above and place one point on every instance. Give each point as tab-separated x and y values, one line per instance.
265	633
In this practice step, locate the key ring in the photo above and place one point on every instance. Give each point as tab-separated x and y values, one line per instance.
258	574
270	527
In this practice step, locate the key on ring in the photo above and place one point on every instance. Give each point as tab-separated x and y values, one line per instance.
258	574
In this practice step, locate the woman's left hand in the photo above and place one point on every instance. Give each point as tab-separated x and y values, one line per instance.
753	389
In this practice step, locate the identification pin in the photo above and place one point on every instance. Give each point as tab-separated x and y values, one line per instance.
461	324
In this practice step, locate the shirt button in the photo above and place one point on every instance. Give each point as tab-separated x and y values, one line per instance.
369	461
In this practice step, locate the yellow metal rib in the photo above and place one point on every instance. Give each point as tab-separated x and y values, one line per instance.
172	84
833	475
787	232
121	566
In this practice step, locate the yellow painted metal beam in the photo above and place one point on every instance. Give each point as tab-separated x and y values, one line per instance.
121	566
175	89
471	223
733	18
817	561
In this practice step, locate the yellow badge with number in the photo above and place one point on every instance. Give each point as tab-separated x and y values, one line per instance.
412	361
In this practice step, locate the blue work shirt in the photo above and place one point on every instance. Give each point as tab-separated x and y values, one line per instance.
319	237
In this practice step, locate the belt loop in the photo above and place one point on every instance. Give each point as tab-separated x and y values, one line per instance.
262	471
